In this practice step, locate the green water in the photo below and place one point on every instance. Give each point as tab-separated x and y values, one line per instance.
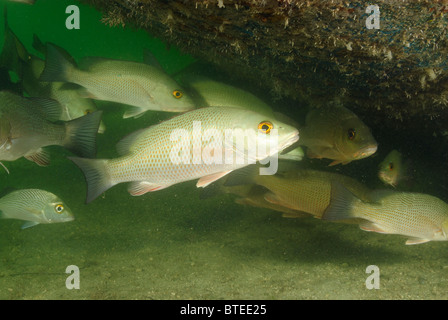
172	245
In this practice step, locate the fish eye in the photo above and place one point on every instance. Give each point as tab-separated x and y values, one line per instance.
391	166
87	111
351	133
265	126
59	208
177	94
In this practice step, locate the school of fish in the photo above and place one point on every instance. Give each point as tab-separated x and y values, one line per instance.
221	135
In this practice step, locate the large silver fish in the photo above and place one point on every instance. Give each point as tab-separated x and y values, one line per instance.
421	217
336	133
143	86
175	150
34	206
29	124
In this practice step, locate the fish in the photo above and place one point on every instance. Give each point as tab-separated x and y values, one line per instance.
29	124
207	92
142	86
392	169
154	158
336	133
35	206
302	190
420	217
211	93
248	195
73	104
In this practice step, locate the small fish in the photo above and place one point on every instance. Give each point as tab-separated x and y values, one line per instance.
34	206
145	87
28	125
302	190
420	217
147	155
336	133
392	169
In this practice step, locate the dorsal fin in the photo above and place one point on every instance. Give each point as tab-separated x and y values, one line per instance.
151	60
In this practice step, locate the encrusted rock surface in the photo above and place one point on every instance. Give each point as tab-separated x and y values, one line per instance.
314	51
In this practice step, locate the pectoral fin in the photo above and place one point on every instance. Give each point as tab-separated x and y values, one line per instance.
29	224
412	241
272	198
139	188
335	162
134	112
371	227
40	157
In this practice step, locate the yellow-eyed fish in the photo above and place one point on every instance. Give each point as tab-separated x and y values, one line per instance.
154	158
34	206
143	86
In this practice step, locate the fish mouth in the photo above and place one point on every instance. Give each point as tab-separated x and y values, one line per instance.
290	140
366	152
387	179
67	219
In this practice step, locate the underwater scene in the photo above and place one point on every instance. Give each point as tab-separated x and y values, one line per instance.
223	150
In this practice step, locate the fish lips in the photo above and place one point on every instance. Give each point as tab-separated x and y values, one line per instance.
366	151
290	140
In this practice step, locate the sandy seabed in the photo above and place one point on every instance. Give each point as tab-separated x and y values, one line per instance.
172	245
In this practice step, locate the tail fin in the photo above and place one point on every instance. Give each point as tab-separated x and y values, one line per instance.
97	178
81	134
58	67
341	202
